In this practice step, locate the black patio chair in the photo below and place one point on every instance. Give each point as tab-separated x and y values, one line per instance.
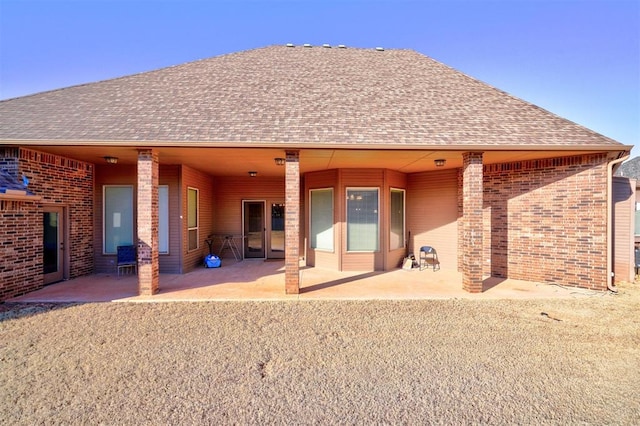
127	258
429	256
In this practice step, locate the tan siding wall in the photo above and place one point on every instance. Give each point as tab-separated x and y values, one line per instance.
321	258
116	174
192	178
304	215
340	180
230	192
111	174
350	178
395	180
624	198
171	263
432	214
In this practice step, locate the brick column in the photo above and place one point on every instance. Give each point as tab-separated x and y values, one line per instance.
148	267
472	199
292	223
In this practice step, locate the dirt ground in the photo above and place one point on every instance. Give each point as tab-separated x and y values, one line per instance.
550	361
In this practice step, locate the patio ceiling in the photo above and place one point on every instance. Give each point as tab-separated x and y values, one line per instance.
238	161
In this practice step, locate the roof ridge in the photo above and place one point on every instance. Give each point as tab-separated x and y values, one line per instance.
194	61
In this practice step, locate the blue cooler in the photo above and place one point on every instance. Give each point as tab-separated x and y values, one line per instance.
212	261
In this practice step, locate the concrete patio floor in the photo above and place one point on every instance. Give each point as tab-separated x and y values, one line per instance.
264	280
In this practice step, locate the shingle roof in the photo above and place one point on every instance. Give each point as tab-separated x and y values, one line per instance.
630	168
293	96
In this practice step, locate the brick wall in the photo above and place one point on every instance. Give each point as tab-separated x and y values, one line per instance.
545	220
59	181
68	183
147	224
20	245
472	221
292	223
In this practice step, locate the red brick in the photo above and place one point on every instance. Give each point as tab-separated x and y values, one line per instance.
58	181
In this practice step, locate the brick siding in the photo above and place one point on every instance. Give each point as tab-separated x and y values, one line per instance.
545	220
472	237
59	181
292	223
148	267
20	247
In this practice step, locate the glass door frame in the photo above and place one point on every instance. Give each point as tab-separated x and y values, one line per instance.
61	249
245	237
271	233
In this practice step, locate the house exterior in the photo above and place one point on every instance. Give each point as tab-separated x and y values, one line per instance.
628	176
627	219
332	157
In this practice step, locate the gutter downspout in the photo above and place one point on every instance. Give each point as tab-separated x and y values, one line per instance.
610	283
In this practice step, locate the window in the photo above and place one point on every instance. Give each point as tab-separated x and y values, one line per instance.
362	219
322	219
163	219
117	218
192	217
396	219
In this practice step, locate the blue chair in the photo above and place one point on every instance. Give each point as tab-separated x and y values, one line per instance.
429	256
127	258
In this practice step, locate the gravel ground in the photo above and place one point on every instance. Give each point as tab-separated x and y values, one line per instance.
573	361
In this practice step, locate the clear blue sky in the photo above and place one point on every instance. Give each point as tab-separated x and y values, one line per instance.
577	58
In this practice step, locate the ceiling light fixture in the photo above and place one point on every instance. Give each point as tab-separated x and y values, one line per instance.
111	160
439	162
253	174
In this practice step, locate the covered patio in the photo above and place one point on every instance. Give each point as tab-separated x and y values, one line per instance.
258	280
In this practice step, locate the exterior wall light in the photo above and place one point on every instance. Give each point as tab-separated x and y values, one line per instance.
279	161
111	160
439	162
253	174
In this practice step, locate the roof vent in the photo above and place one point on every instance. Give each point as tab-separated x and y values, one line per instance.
380	49
326	45
342	46
290	45
306	45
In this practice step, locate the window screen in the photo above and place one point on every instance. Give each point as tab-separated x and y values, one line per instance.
396	217
163	219
117	217
322	219
192	218
362	219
